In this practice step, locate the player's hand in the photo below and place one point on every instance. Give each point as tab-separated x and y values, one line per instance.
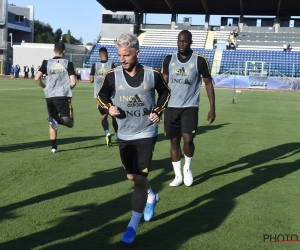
211	117
154	118
113	111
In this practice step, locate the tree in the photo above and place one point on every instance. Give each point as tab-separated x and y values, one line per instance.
89	44
43	33
58	34
69	37
45	37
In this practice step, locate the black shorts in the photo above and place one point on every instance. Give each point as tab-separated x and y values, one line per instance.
101	110
136	155
60	107
179	121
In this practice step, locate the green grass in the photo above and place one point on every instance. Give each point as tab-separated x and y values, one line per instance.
246	170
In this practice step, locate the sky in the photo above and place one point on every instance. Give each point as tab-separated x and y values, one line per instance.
83	18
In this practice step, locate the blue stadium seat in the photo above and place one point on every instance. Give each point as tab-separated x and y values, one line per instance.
151	55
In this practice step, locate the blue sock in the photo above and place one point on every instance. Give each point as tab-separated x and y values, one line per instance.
107	132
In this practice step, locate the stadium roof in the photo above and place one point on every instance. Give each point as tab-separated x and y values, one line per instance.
285	8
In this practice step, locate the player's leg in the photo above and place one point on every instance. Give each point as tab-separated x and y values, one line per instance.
127	158
189	123
141	155
105	126
65	109
176	153
115	125
53	124
53	136
145	149
173	132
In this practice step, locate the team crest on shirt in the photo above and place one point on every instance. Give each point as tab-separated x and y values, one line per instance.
173	64
101	72
57	68
146	85
192	65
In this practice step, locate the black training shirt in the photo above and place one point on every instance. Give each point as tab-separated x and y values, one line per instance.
70	69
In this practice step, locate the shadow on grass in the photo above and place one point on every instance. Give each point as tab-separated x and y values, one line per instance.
208	211
86	218
46	143
97	180
203	214
200	130
276	153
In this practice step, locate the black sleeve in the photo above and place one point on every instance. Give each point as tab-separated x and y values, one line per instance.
163	92
71	70
113	65
43	68
93	70
165	66
203	67
106	91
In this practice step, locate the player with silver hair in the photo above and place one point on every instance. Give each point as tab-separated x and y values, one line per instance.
128	41
128	93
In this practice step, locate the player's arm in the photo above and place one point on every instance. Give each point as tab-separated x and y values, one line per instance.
72	75
204	70
165	68
211	96
92	74
163	92
105	92
39	74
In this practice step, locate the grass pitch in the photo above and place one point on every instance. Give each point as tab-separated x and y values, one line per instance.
246	170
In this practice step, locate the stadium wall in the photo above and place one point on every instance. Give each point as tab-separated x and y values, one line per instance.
115	30
116	23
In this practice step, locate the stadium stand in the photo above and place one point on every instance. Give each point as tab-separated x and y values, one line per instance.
268	41
222	36
155	45
164	37
150	55
274	62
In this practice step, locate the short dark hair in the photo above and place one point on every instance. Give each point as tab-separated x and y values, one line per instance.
102	49
186	32
59	47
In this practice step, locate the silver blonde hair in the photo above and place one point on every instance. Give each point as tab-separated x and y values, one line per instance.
128	41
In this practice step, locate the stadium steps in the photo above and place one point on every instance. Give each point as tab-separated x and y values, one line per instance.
216	62
168	38
210	40
222	36
141	38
